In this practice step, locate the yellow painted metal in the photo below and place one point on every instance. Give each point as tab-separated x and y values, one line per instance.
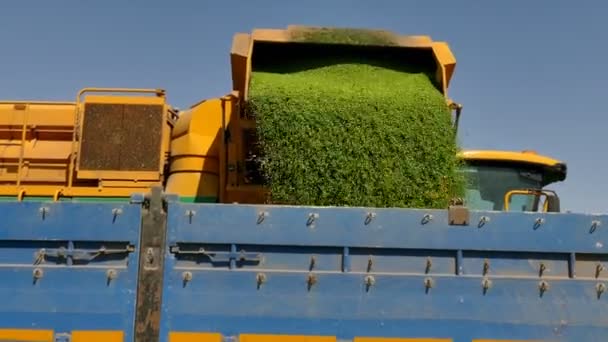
532	192
194	337
26	335
97	336
243	45
196	149
529	157
285	338
382	339
39	148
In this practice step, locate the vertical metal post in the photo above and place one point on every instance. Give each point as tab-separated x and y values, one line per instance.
151	265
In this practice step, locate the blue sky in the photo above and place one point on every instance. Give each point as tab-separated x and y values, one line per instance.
531	74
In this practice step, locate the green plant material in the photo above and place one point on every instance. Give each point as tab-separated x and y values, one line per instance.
354	133
343	36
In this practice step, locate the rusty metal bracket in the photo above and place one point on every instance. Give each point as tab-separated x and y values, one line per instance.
151	264
458	215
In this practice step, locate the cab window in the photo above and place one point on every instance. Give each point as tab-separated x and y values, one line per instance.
488	184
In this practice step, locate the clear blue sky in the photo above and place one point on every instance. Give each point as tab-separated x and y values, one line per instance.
531	74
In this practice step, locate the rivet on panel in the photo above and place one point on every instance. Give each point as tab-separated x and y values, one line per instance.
485	285
541	269
428	284
186	277
369	218
260	279
543	286
595	225
313	263
115	213
429	264
312	217
262	215
110	275
311	280
37	274
598	270
426	218
44	211
369	282
40	255
370	263
539	222
190	214
600	288
486	267
482	221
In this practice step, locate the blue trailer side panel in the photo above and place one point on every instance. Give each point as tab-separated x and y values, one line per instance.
356	272
68	268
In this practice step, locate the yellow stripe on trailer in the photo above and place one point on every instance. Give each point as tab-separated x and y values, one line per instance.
26	335
194	336
285	338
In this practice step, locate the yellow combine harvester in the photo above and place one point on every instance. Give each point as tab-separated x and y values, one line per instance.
111	143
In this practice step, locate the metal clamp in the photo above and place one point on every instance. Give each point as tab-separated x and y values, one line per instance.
241	255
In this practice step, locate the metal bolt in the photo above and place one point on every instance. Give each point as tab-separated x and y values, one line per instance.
313	262
111	274
190	214
482	221
150	256
542	269
486	284
187	276
38	273
486	267
427	218
543	286
115	213
312	217
311	280
40	256
262	215
370	263
539	222
260	279
594	225
428	283
43	211
369	218
600	288
429	264
369	282
598	269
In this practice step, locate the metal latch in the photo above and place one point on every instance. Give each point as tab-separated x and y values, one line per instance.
241	255
79	254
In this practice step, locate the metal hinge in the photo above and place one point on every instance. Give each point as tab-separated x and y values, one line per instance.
219	256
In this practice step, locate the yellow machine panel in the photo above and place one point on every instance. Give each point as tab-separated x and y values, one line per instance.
104	145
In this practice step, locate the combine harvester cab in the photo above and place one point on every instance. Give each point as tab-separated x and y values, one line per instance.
253	272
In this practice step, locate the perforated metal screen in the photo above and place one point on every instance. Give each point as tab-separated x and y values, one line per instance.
121	137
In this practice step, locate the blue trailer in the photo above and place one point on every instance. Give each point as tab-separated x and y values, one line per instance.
156	269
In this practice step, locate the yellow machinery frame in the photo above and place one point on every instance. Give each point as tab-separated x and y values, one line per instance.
56	160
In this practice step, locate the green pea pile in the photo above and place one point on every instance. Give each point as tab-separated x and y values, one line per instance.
354	131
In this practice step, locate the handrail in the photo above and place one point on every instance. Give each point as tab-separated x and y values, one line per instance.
534	192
